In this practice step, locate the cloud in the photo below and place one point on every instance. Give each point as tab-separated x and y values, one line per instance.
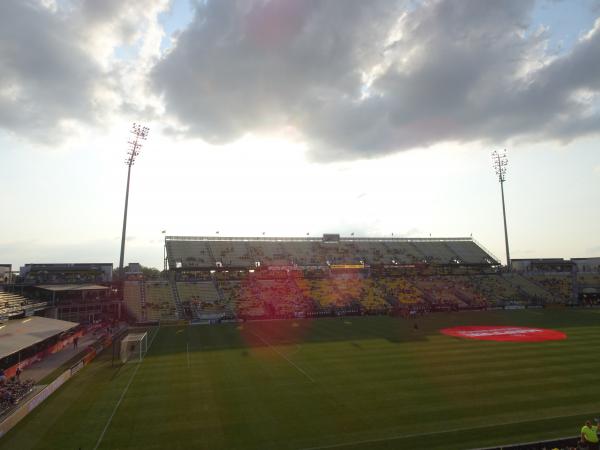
355	79
45	76
58	67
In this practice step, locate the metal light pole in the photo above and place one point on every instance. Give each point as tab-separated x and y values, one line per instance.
164	253
139	133
500	162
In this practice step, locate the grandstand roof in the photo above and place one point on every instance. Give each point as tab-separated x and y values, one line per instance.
16	335
72	287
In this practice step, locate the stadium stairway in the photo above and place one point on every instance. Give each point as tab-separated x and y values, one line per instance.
531	289
211	254
219	291
417	250
143	302
178	304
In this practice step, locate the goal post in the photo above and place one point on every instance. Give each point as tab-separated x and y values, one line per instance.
134	347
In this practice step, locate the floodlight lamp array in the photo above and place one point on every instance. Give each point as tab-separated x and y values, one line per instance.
500	161
140	133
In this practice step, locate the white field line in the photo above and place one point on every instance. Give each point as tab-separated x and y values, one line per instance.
108	422
292	363
450	430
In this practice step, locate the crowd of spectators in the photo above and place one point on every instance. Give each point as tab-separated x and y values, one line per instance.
13	390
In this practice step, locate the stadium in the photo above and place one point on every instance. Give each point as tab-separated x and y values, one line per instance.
344	268
304	343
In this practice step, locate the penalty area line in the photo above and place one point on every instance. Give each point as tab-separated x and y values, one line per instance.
292	363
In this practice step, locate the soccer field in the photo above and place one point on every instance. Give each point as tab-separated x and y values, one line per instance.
336	383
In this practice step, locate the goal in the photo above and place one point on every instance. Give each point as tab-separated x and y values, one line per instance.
134	347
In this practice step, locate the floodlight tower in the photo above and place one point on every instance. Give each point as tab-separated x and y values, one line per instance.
140	134
500	161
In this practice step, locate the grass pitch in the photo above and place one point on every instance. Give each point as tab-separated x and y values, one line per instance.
343	383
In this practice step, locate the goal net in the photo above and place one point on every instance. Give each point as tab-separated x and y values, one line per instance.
134	347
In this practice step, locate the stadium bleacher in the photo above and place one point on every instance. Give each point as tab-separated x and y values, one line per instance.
211	252
150	301
530	290
284	277
496	289
13	305
560	284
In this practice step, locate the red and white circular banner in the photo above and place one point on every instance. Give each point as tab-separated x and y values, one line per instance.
504	333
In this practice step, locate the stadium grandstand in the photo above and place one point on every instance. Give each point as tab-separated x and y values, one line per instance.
224	278
14	306
79	292
248	253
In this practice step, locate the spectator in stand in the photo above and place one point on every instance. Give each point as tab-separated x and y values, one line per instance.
2	376
18	373
589	436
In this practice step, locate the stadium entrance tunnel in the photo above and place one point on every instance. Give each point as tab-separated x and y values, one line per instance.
504	333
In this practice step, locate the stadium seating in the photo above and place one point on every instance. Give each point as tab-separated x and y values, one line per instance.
231	253
206	252
398	290
588	279
439	291
292	293
12	304
160	304
496	289
275	277
132	296
150	300
561	285
529	290
203	299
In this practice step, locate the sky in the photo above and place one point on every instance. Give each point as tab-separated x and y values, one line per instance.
288	117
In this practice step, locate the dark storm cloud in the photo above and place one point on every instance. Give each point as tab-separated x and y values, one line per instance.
359	79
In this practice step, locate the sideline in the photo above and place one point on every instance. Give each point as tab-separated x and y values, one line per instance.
292	363
109	421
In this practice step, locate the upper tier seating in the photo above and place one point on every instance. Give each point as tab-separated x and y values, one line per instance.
209	252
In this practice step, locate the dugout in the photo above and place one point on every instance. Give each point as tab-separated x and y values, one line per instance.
25	341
